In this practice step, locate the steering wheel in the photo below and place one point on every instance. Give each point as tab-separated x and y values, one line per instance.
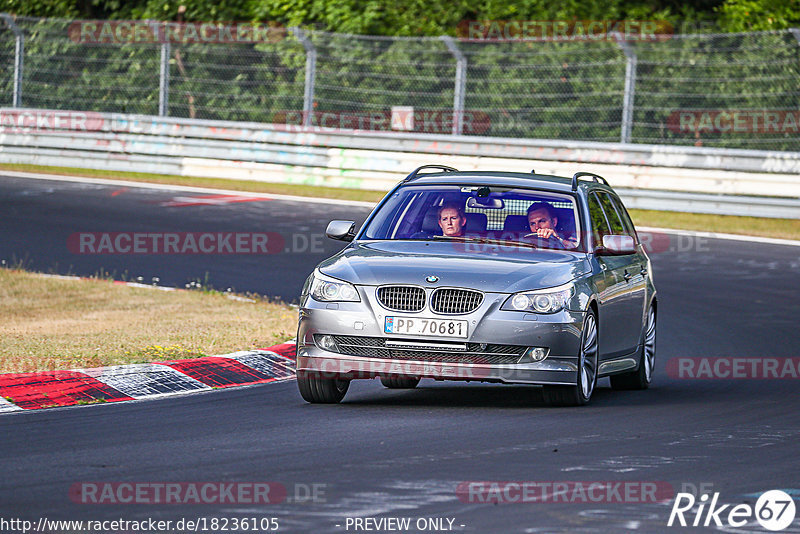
545	242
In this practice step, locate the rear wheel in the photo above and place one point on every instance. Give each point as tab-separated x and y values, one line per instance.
641	377
318	390
399	382
580	393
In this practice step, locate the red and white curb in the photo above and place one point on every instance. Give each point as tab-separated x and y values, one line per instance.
50	389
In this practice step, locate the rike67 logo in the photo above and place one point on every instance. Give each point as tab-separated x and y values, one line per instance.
774	510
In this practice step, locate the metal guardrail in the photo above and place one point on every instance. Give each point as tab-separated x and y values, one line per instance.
542	149
784	208
722	181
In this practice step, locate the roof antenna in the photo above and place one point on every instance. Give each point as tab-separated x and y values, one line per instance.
533	171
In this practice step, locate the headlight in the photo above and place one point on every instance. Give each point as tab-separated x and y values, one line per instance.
326	289
548	300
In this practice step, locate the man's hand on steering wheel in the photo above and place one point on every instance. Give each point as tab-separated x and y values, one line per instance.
547	234
544	233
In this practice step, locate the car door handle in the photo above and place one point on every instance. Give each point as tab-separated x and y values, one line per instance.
627	276
644	271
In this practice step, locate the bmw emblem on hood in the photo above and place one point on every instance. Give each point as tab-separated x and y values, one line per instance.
432	279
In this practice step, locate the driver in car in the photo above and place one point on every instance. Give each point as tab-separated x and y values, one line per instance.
542	221
451	220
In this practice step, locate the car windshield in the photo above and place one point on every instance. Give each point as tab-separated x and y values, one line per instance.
526	217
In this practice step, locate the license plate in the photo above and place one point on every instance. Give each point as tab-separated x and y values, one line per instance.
425	327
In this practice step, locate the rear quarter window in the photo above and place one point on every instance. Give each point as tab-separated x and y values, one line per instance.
600	225
627	223
612	216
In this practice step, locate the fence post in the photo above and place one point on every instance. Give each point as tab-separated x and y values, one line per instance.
163	81
19	55
630	88
461	84
311	74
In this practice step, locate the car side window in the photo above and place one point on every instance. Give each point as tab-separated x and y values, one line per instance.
599	223
612	215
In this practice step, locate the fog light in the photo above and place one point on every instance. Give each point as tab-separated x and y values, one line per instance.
534	354
327	342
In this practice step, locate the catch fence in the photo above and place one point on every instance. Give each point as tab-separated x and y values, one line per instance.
738	90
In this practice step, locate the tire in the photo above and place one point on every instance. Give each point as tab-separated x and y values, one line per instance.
641	377
581	392
399	382
318	390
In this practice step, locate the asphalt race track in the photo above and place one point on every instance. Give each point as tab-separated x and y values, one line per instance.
38	217
404	454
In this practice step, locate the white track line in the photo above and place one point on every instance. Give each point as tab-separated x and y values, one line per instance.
190	189
712	235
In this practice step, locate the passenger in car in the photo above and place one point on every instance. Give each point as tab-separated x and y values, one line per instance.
543	222
451	220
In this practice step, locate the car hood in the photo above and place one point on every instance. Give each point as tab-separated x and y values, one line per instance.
485	267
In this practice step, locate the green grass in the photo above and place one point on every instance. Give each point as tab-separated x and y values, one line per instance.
755	226
49	323
88	402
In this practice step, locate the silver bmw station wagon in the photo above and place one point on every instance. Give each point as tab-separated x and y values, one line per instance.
486	276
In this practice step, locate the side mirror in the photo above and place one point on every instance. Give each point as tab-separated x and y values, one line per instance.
618	244
341	230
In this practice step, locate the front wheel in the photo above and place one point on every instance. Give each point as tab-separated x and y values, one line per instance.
641	377
580	393
318	390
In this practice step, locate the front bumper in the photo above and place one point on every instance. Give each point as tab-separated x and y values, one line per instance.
559	332
332	365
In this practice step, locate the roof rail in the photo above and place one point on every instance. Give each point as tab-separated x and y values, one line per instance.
597	178
415	172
